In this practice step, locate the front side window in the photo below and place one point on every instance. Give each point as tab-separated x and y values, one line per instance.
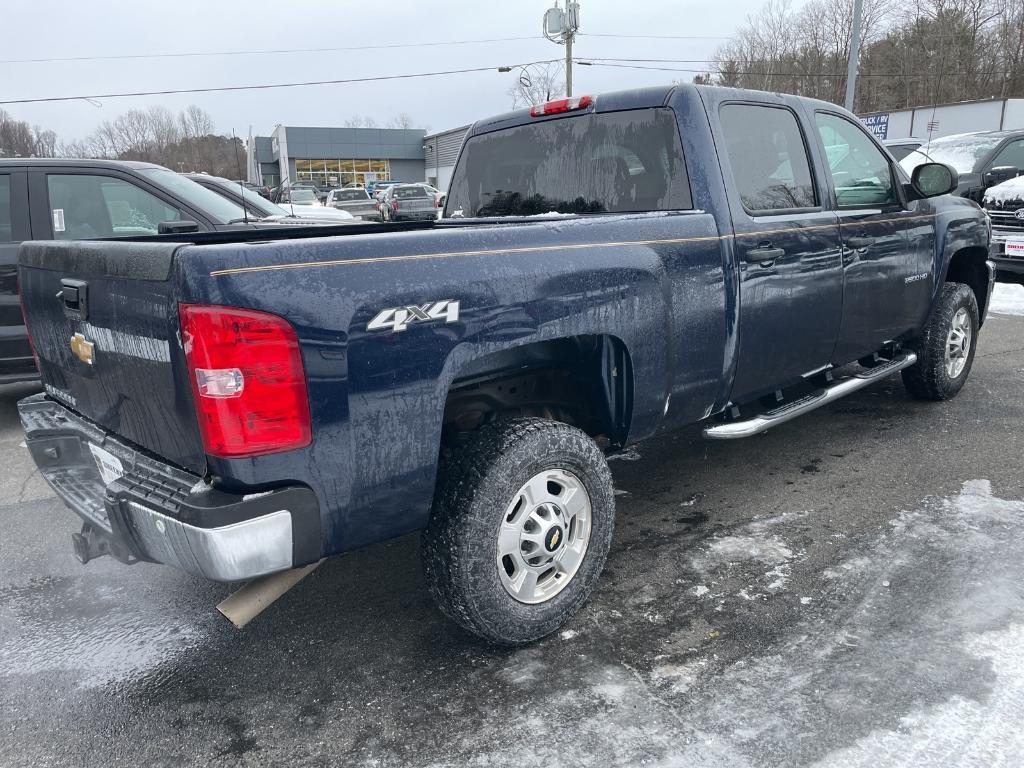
768	158
860	171
615	162
85	206
6	222
1011	155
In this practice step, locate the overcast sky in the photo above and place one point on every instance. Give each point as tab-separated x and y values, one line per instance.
123	27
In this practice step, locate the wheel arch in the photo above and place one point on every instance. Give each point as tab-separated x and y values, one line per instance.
968	265
585	380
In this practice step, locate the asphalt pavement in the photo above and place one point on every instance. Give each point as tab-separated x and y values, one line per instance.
847	590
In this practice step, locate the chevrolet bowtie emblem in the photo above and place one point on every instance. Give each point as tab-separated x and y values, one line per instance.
84	350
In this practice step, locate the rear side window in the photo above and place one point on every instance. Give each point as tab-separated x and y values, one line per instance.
6	224
768	158
596	163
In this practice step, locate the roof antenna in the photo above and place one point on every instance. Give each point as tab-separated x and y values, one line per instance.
238	170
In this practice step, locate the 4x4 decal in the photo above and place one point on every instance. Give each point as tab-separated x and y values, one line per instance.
398	318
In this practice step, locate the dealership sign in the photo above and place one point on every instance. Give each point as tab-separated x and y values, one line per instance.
878	125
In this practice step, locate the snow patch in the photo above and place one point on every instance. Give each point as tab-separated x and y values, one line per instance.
700	591
1008	190
630	454
1007	299
569	634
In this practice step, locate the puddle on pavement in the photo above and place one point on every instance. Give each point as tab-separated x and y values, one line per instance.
94	630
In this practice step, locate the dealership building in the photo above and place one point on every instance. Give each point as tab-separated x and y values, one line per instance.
334	157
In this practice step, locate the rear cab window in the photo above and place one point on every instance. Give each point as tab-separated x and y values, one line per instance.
769	160
617	162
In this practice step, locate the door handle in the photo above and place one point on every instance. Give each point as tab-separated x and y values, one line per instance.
860	243
765	253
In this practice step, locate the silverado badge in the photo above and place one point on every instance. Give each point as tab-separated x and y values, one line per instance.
84	350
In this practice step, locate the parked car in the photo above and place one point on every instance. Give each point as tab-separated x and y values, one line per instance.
626	265
300	200
981	159
266	211
408	202
1004	204
67	199
356	201
900	148
259	190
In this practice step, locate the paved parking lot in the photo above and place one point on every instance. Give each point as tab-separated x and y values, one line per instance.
844	591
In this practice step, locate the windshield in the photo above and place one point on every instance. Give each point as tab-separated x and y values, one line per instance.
590	163
350	194
219	209
409	192
300	196
961	152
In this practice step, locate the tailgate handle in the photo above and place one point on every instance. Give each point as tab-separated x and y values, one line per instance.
74	295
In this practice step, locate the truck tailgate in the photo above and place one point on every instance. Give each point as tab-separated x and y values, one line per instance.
103	320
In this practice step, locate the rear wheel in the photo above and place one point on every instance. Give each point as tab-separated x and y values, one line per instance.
521	526
945	349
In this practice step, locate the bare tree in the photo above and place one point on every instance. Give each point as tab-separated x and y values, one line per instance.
19	139
538	83
358	121
401	120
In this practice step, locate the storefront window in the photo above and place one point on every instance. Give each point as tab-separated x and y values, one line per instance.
339	173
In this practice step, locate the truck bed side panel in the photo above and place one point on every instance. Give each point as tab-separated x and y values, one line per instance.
377	397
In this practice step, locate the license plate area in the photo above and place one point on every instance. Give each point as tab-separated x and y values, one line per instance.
1014	247
109	466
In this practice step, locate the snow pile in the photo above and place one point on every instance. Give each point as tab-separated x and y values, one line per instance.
1007	299
1008	190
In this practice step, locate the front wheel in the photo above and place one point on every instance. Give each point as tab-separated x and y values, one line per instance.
522	522
945	349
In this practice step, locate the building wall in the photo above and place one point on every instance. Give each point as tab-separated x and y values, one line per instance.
966	117
441	150
399	149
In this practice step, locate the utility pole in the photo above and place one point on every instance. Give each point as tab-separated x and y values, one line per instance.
568	64
851	67
560	27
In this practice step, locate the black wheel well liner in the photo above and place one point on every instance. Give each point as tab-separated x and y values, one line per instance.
585	380
968	266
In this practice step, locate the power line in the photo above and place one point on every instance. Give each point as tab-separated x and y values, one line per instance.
268	86
122	57
659	37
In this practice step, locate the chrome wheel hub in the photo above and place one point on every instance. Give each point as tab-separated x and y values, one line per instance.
543	536
958	343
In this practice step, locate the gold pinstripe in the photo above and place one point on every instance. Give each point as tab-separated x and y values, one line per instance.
545	248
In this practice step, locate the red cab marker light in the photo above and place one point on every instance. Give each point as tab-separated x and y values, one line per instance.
561	105
248	380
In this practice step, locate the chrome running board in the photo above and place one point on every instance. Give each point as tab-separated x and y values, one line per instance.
733	430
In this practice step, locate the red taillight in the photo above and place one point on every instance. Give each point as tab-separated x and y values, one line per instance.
560	105
394	205
248	380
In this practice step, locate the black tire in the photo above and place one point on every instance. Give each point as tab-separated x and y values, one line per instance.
928	378
475	486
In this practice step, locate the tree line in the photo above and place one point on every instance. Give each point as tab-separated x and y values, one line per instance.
186	141
912	52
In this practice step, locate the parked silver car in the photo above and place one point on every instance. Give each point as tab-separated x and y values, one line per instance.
356	201
408	202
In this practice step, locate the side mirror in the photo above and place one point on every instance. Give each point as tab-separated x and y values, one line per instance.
933	179
176	227
999	174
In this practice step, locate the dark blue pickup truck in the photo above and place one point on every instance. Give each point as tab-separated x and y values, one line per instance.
242	404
